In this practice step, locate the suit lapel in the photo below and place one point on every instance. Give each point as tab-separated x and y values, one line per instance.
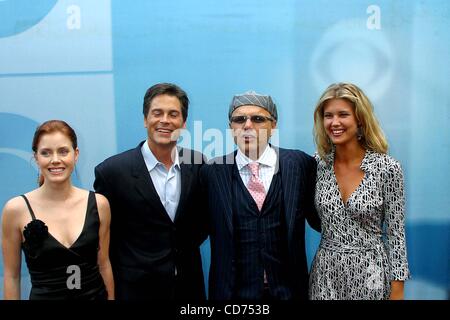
224	187
144	184
290	182
186	181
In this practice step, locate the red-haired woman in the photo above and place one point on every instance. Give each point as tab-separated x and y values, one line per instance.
62	230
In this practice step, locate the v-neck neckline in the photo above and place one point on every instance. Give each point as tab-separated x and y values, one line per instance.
82	228
346	203
362	166
81	232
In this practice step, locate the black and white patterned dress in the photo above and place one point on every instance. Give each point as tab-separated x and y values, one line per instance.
362	246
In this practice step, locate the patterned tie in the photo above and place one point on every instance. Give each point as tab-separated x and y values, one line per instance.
255	185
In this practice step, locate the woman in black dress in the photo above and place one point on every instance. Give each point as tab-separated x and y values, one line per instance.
62	230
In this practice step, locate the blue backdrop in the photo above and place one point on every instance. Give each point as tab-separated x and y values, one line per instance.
90	62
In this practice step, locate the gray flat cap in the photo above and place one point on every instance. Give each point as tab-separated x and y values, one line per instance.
253	98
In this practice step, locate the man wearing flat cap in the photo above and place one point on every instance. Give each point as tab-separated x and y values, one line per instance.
258	199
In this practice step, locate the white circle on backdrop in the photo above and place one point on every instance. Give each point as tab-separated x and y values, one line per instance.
349	52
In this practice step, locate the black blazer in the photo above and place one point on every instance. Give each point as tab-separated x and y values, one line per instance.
146	245
298	174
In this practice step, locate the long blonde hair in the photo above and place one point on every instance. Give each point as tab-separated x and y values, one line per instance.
372	138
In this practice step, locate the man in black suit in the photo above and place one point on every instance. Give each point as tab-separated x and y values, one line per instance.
156	219
258	199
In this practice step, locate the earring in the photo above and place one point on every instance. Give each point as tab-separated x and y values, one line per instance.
359	134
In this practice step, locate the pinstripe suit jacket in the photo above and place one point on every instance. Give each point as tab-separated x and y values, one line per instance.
298	173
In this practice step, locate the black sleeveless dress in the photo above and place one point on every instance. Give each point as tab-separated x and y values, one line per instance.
58	272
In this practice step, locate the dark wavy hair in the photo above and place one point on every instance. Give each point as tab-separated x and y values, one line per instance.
169	89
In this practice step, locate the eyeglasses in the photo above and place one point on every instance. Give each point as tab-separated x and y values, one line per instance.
254	119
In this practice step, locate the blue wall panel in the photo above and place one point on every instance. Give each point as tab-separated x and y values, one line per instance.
90	62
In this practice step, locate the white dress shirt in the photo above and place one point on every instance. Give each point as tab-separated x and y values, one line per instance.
167	182
267	164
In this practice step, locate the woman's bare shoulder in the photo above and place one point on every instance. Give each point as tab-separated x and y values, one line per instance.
14	211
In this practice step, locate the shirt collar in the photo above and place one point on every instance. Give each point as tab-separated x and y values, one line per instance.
268	158
366	163
150	160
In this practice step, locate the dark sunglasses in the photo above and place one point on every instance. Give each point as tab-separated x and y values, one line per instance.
254	119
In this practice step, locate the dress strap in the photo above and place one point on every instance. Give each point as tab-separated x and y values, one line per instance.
91	197
92	202
29	207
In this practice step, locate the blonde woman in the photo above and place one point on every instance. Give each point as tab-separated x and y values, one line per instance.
360	199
